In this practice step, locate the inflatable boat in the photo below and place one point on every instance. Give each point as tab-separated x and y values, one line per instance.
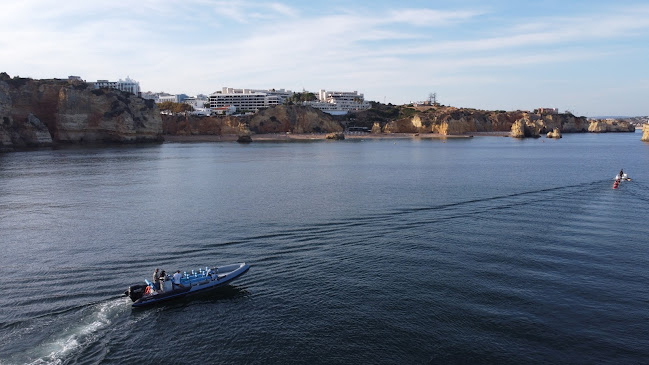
192	282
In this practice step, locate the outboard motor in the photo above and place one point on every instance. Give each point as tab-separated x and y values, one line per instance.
135	292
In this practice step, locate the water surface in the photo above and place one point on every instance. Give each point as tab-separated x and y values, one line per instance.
485	250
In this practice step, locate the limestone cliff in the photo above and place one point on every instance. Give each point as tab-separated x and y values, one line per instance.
278	119
46	112
610	125
565	123
525	127
450	120
534	124
193	125
443	120
645	132
294	119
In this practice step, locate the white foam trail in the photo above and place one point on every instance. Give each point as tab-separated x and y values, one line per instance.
78	336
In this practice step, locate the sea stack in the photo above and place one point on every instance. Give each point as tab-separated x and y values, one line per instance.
555	133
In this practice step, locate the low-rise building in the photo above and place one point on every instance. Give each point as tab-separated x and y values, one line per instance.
225	110
339	102
128	85
547	110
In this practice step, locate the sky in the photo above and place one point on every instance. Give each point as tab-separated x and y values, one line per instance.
588	57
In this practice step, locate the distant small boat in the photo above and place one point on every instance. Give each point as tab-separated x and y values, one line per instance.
146	294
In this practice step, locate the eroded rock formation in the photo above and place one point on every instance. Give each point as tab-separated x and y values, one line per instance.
556	133
525	127
610	125
294	119
645	132
335	136
37	113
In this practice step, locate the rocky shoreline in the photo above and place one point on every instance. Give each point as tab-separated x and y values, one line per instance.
50	113
284	137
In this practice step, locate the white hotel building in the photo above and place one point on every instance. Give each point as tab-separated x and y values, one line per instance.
248	99
339	102
128	85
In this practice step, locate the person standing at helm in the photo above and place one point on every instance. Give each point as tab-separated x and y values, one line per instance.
156	279
161	280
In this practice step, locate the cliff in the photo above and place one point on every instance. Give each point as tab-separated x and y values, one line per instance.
645	132
180	125
294	119
278	119
37	113
441	119
610	125
451	120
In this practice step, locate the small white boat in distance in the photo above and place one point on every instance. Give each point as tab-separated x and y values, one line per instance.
195	281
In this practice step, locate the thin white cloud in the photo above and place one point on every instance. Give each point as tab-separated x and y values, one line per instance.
429	17
247	12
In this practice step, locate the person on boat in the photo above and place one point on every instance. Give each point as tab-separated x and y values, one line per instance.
156	278
176	281
161	280
621	173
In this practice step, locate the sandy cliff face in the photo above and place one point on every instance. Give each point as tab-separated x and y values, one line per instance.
194	125
278	119
532	125
45	112
451	120
443	120
610	125
293	118
645	132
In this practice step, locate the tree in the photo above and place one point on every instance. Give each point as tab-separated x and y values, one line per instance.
298	98
175	107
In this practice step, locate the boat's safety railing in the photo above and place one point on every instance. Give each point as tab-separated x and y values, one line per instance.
199	275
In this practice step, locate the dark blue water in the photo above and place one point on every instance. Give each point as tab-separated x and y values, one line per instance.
485	250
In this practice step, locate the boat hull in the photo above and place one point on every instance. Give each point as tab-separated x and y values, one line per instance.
225	275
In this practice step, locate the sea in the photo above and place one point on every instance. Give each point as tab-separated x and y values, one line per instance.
486	250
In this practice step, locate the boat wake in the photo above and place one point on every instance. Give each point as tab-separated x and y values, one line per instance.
83	330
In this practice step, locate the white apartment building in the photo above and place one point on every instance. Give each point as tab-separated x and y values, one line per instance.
197	101
128	85
339	102
247	99
161	98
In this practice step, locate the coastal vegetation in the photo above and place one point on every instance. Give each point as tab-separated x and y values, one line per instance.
175	108
298	98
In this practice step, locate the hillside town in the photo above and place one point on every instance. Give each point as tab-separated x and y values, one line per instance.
244	101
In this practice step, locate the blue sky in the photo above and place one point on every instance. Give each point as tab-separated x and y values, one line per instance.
589	57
